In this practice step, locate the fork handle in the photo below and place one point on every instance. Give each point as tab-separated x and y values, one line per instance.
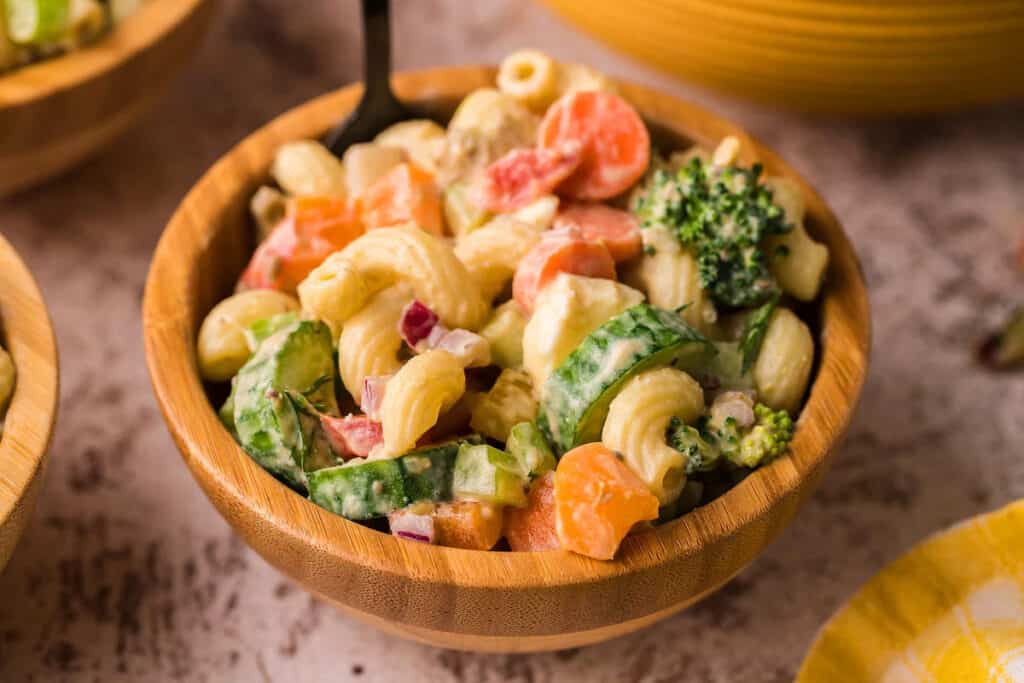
377	50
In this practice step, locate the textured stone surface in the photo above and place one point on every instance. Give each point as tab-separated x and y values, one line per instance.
127	573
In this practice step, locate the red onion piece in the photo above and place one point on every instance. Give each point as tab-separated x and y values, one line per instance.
373	395
412	526
417	322
473	350
738	405
352	436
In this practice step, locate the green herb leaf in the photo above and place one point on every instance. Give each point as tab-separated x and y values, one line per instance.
753	332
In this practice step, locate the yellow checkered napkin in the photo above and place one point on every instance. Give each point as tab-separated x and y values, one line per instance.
949	611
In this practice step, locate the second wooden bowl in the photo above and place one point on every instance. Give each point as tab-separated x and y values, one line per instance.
56	113
25	331
490	601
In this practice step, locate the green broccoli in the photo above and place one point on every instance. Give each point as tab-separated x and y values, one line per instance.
699	446
722	215
706	443
766	440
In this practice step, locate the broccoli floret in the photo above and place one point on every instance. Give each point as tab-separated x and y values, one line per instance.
766	440
699	446
705	443
722	215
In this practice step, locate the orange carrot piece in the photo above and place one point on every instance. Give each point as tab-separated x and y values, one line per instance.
405	193
560	251
313	229
467	524
616	144
532	528
616	229
598	499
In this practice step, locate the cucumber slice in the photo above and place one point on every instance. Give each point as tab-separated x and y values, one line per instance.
577	394
32	22
527	445
315	446
360	491
489	475
297	358
428	472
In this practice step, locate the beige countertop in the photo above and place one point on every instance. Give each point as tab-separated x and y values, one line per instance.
127	572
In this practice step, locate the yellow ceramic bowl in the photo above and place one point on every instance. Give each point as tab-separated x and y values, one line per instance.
952	609
834	56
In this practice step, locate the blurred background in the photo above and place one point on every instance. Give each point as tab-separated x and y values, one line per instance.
127	572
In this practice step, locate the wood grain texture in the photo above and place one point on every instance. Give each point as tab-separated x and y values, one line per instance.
56	113
27	334
458	598
837	56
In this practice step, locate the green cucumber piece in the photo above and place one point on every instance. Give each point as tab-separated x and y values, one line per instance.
315	447
428	470
297	358
489	475
528	446
34	22
577	394
360	491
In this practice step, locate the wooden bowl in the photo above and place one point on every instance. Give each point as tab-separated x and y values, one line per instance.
861	57
26	333
58	112
488	601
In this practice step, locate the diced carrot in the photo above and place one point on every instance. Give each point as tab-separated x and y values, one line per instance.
598	499
616	229
313	229
405	193
558	251
523	175
467	524
532	528
615	142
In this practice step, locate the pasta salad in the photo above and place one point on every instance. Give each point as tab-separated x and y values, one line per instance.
526	330
31	30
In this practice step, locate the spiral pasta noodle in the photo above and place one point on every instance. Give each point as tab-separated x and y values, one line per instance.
370	340
339	287
418	393
638	419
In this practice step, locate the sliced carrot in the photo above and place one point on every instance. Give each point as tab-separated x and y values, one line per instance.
523	175
615	142
616	229
313	229
532	528
405	193
598	499
558	251
467	524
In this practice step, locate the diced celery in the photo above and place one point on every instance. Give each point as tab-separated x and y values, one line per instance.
487	474
527	445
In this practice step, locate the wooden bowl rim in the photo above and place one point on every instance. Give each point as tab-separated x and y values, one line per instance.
28	335
127	39
170	356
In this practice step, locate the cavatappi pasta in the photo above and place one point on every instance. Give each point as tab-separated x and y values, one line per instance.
436	321
33	30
